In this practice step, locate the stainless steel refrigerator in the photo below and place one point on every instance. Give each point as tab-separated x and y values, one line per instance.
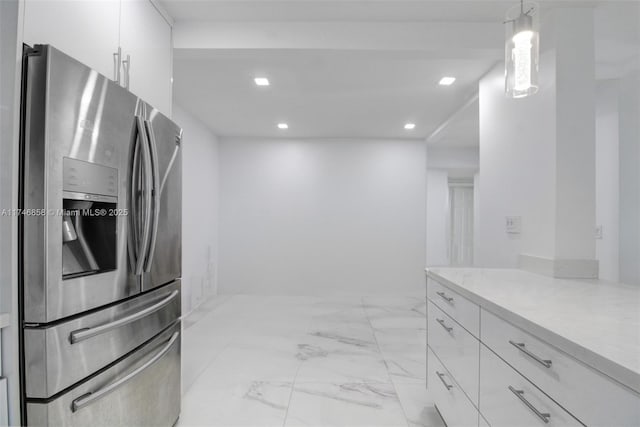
100	256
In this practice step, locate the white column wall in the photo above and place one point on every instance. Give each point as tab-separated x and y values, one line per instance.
200	171
607	180
537	158
575	134
517	169
629	134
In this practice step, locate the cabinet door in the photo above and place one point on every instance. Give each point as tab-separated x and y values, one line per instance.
84	30
146	36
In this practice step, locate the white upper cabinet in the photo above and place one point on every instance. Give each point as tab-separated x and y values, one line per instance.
91	31
85	30
146	37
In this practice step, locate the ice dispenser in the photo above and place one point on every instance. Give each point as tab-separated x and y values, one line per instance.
89	221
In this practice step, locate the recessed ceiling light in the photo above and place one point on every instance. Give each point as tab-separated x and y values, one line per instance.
283	126
447	81
261	81
409	126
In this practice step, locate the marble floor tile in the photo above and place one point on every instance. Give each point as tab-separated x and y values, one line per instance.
241	363
398	340
194	363
397	320
417	405
338	368
407	367
252	403
251	360
344	404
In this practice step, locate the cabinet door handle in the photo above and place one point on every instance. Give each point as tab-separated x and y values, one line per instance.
444	296
126	66
520	346
520	394
117	56
446	328
441	376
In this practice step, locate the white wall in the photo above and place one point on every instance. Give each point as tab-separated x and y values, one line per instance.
629	134
200	172
454	158
517	169
437	217
607	179
316	217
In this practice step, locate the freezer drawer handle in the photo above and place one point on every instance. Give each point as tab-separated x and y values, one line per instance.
89	398
86	333
520	346
520	394
441	376
446	328
444	296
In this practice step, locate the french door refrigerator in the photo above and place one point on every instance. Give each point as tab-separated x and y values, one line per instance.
100	255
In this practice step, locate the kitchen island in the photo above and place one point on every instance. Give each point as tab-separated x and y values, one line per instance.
521	349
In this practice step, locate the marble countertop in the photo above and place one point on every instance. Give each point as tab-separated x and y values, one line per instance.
5	320
595	321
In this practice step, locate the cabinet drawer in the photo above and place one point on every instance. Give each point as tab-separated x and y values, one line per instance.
589	395
457	349
455	305
509	400
452	403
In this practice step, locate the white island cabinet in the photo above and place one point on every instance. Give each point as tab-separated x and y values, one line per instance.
511	348
94	32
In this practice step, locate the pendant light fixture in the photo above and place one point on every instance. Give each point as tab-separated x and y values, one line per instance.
522	50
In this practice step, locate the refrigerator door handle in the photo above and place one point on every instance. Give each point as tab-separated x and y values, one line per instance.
155	193
138	244
89	398
147	192
133	236
86	333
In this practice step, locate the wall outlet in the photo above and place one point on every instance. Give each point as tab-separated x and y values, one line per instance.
598	232
513	224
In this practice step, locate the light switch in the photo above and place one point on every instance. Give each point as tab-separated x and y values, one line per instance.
598	232
513	224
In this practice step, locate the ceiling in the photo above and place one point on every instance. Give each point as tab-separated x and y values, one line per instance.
354	69
338	10
323	94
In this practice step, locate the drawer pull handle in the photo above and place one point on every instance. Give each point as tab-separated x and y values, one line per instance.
86	333
441	376
520	394
444	297
520	346
90	397
446	328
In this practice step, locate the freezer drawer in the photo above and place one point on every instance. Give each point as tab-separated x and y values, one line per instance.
142	389
59	356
